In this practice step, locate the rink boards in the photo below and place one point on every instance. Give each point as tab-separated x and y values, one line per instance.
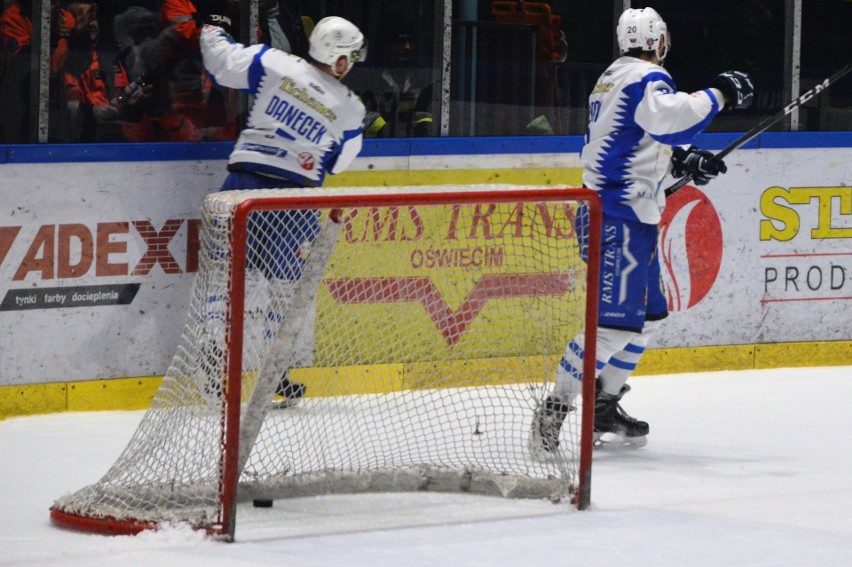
98	250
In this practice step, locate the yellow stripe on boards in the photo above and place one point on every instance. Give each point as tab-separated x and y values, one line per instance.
547	177
118	394
779	355
137	393
33	399
696	359
351	380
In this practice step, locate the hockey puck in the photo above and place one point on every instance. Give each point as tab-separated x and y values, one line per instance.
262	503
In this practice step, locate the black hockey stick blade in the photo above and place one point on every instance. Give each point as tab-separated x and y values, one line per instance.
768	122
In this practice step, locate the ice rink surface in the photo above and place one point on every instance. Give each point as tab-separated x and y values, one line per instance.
741	469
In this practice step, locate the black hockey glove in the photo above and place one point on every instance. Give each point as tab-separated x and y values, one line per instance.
218	20
215	13
701	164
737	88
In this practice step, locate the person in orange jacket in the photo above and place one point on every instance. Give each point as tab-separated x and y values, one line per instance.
84	97
163	91
16	29
198	109
15	64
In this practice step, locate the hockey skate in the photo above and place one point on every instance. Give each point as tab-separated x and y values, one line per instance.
546	425
288	393
614	427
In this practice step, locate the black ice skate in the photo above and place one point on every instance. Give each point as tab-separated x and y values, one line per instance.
288	393
547	422
614	428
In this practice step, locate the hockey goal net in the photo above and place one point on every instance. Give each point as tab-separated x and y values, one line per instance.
425	325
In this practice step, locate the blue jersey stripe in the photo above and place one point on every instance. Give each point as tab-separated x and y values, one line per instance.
256	73
616	153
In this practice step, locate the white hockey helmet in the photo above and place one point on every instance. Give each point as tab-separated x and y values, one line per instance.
643	29
334	37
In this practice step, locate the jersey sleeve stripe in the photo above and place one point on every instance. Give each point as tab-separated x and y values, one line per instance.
256	73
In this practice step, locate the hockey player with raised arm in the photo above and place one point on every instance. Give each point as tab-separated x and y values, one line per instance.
640	128
303	125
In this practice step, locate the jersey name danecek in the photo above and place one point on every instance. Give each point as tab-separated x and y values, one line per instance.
303	123
635	116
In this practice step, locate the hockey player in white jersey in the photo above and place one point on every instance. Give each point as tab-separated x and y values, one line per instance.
303	125
640	128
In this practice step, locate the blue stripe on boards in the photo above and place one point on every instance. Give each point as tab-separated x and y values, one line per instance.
531	145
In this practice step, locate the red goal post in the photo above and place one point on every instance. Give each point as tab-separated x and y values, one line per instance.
491	359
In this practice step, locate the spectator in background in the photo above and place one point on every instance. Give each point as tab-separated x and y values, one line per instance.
143	48
182	86
210	109
16	28
163	92
397	89
83	103
78	98
15	38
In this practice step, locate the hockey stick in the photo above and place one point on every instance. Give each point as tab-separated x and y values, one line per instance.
766	123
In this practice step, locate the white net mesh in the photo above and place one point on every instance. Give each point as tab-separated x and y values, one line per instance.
424	337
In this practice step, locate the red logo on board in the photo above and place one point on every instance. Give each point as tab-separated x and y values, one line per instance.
691	246
421	289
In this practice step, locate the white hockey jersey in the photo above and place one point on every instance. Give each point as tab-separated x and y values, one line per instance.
635	116
303	124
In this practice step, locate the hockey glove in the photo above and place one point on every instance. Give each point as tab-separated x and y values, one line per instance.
700	164
218	20
737	88
214	13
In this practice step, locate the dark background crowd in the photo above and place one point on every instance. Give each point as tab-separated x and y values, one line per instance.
130	71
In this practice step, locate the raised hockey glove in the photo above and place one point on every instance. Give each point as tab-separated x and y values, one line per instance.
737	88
700	164
214	13
218	20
